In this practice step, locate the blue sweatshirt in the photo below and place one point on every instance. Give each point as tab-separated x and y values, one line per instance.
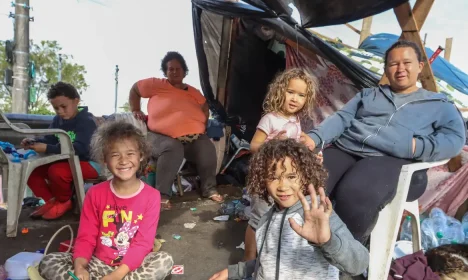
80	129
371	124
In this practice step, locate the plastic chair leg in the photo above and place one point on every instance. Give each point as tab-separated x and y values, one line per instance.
77	180
15	198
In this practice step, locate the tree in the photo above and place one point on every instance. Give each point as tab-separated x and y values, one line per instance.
45	57
126	107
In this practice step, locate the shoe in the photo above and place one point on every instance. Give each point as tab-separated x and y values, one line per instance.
41	210
58	210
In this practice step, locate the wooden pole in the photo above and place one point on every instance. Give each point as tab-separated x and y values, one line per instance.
408	24
419	14
20	92
448	48
366	28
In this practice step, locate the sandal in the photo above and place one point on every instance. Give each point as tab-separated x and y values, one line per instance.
216	197
165	204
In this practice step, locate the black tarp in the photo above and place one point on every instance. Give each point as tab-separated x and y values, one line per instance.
252	65
315	13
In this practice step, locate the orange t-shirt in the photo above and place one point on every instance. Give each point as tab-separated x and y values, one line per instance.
172	111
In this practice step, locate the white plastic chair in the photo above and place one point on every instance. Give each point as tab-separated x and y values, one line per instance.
15	174
384	235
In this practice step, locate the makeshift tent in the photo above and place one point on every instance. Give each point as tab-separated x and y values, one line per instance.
241	46
444	70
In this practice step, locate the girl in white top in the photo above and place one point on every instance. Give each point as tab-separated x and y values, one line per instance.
290	96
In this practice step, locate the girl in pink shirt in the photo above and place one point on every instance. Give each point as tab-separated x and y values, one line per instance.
290	96
119	217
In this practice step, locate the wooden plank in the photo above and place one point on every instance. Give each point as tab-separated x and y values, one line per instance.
448	48
411	33
365	31
353	28
421	10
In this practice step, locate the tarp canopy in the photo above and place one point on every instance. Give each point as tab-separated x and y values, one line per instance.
251	59
315	13
444	70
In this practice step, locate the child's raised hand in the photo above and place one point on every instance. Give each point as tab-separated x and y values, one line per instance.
320	157
316	227
222	275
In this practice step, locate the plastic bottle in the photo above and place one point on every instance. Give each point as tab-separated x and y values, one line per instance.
439	223
428	235
406	230
235	141
455	234
465	226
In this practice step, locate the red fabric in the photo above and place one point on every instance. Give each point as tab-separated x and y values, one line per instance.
118	230
60	179
335	89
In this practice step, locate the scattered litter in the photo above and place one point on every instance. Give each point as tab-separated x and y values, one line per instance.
158	244
25	230
241	246
177	269
236	208
237	219
193	209
222	218
176	236
220	245
190	225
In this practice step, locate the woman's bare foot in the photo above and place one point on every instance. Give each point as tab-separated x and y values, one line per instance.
217	198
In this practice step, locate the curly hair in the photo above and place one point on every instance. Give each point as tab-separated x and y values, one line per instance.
304	162
62	89
170	56
114	131
274	100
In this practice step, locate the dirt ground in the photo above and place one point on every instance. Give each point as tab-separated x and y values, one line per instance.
207	248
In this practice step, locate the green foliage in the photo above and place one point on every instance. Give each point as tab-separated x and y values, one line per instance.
45	57
126	107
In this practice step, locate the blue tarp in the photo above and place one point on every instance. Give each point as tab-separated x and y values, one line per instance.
444	70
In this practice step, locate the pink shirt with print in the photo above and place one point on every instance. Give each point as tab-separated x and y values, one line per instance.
273	123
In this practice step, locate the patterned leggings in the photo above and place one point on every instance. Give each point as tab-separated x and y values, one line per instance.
55	266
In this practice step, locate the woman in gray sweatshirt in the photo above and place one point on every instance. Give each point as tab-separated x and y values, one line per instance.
300	237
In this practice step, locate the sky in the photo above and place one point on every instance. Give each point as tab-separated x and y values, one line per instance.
136	34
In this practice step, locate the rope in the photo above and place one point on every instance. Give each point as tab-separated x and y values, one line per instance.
55	235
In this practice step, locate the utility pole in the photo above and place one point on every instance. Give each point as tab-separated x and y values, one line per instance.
116	87
20	92
59	70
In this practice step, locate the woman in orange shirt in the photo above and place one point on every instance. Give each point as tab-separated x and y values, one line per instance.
177	118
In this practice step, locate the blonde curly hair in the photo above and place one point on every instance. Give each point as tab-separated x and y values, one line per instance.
274	100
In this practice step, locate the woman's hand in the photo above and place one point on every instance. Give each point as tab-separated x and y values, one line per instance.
316	227
222	275
38	147
139	115
81	273
306	140
414	146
